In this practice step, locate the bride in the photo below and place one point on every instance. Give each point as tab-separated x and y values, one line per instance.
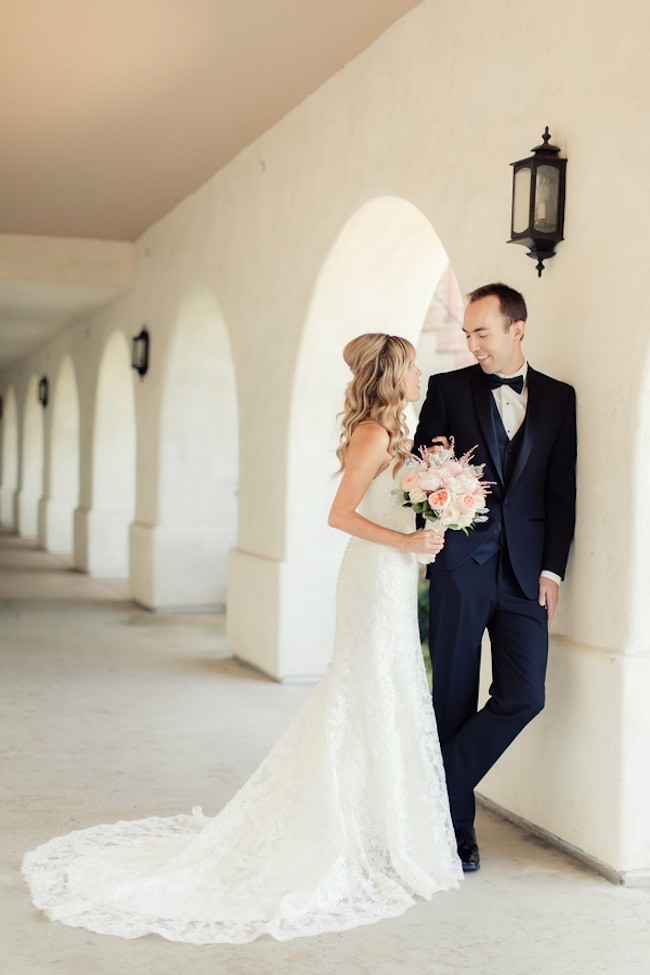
347	818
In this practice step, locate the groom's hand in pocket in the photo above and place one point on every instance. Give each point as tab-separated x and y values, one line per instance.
549	596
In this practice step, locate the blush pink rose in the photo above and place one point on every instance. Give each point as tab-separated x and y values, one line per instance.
467	502
411	480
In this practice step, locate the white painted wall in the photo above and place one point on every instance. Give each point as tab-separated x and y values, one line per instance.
9	459
432	114
107	504
30	488
61	481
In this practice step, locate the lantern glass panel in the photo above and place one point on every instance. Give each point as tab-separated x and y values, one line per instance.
547	189
521	200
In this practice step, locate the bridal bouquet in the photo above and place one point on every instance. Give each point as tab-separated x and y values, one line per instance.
449	492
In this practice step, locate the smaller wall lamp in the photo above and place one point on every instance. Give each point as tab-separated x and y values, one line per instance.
538	185
2	406
140	352
43	391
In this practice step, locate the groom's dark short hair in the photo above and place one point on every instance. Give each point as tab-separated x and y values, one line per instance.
513	306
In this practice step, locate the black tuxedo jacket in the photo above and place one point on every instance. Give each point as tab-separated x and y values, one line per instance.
535	511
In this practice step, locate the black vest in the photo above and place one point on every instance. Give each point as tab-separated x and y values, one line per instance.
508	452
509	449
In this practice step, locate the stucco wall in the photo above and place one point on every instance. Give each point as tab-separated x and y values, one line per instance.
433	113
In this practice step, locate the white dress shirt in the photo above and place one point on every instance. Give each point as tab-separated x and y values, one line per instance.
512	410
511	404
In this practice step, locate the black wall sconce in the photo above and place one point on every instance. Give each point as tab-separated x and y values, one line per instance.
538	185
43	391
2	407
140	352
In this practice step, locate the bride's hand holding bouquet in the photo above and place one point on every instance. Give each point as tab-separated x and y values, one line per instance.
448	492
424	543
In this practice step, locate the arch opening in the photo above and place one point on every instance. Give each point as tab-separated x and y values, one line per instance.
199	465
381	275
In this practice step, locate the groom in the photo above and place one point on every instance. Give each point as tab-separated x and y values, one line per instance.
505	576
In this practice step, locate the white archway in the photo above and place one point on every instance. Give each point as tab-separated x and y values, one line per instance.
199	468
62	478
9	459
379	276
31	464
101	533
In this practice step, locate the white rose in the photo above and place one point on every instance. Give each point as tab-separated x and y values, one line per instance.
417	494
455	485
468	482
430	481
465	520
449	515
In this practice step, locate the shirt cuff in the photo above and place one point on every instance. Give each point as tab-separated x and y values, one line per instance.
547	574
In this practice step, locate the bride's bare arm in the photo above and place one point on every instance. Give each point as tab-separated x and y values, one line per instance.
366	456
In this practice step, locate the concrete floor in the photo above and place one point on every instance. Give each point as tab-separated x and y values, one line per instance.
111	712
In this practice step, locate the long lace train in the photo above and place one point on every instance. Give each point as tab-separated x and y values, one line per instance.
343	823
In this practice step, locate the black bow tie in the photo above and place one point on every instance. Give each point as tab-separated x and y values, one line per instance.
516	383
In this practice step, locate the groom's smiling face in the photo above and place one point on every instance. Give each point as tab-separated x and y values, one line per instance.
494	345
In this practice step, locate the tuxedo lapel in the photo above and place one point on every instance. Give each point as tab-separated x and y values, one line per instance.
533	413
483	400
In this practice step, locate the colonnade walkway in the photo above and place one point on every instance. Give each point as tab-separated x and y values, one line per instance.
110	712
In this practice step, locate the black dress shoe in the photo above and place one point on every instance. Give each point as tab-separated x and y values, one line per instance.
468	849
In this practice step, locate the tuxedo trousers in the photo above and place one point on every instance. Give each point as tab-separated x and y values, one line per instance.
464	602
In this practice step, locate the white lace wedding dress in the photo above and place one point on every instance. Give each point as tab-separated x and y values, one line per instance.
343	823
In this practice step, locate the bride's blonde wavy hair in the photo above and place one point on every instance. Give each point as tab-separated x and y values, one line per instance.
377	391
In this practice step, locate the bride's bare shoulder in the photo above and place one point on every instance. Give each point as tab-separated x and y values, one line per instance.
367	448
369	433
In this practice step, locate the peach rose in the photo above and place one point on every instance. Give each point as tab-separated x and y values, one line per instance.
439	499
